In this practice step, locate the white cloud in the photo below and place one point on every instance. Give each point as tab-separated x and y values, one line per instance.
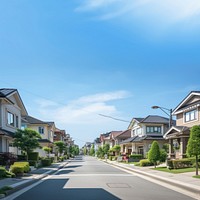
169	11
84	110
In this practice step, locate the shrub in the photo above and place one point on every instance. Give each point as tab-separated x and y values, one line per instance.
33	156
25	166
46	162
61	158
10	174
21	157
163	155
33	163
182	163
2	172
136	156
17	169
145	162
170	164
179	164
4	189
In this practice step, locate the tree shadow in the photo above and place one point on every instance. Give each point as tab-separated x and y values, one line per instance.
52	189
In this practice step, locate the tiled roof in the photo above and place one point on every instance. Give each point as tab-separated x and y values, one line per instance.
33	120
125	134
155	119
4	92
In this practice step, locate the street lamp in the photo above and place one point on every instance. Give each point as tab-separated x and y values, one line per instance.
169	113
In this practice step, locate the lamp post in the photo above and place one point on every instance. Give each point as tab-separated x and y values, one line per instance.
169	113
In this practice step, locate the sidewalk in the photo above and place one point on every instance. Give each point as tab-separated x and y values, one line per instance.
183	180
33	176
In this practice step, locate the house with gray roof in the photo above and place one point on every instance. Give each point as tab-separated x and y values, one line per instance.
187	115
143	132
46	130
11	110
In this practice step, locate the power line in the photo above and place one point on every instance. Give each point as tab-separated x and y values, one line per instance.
99	114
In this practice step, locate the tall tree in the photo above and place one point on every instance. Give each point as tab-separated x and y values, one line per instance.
26	140
60	146
92	151
154	153
106	148
193	146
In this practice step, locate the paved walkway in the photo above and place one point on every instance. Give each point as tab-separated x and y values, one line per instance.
35	175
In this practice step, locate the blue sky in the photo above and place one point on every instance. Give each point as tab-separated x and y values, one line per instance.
72	60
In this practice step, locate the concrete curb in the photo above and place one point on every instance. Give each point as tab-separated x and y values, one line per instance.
27	183
189	187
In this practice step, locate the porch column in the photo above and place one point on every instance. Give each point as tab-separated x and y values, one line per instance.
181	147
170	147
126	149
133	148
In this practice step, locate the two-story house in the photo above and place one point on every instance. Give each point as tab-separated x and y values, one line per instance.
11	110
143	132
187	115
46	130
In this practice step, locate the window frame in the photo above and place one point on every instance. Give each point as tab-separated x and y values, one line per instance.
10	119
189	114
41	128
151	129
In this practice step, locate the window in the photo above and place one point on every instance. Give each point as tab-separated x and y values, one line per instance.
153	129
41	129
191	115
10	119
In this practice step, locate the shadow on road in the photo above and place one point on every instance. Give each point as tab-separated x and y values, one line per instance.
53	190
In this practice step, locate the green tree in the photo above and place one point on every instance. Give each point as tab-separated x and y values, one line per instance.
116	149
100	152
92	151
60	146
85	152
154	153
106	148
193	146
47	150
74	150
26	140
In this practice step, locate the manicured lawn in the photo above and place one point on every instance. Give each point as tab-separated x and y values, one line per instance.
196	176
174	171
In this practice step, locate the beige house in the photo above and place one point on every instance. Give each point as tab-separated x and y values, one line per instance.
143	132
46	130
11	110
187	115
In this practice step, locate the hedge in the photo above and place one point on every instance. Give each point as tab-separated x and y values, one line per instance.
33	163
17	169
20	166
136	156
33	156
46	162
179	164
2	172
145	162
21	157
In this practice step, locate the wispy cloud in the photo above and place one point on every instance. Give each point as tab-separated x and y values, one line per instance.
83	110
169	10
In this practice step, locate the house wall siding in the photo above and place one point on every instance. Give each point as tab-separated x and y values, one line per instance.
14	110
180	121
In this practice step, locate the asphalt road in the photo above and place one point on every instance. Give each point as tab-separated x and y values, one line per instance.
86	178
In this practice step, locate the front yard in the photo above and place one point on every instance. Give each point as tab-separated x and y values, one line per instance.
174	171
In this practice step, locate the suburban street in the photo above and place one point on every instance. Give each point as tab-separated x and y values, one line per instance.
87	178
